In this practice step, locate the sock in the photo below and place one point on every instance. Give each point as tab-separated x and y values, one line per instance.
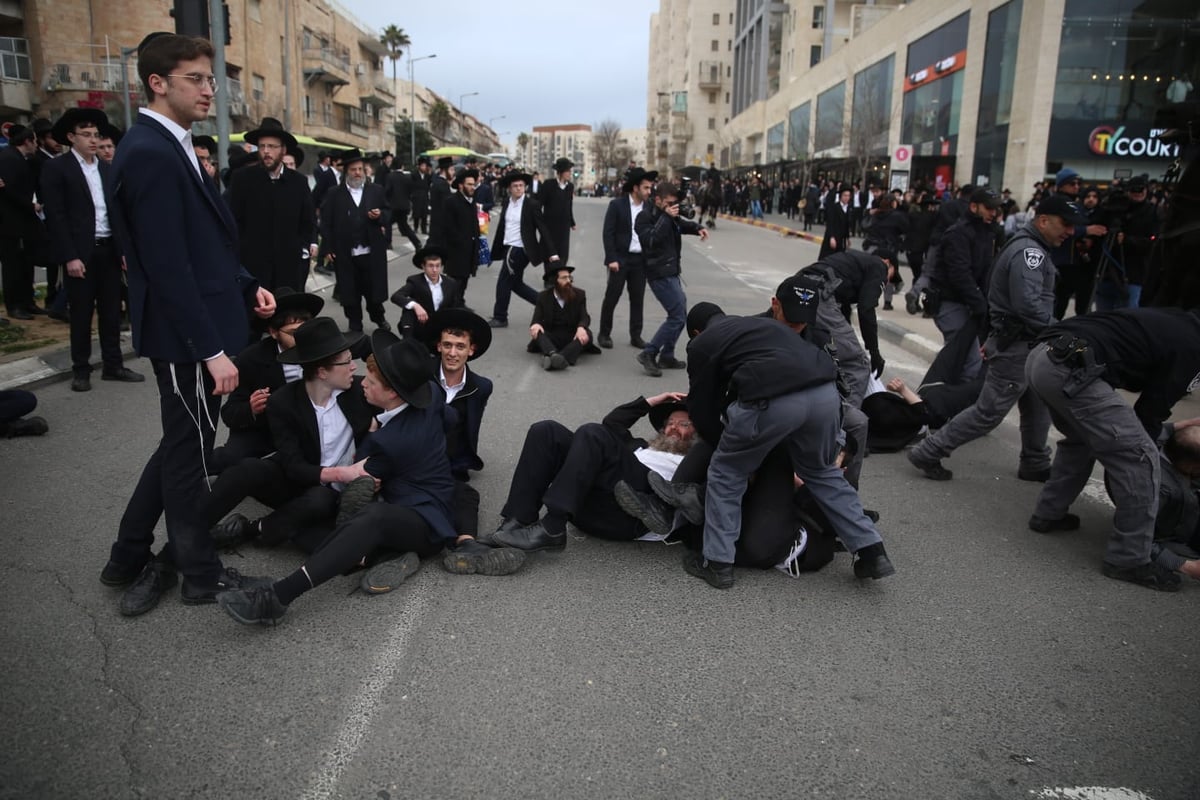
555	522
289	588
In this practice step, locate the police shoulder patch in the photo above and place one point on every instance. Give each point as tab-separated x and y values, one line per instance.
1034	258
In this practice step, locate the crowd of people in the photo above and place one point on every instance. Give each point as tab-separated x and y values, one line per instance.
758	464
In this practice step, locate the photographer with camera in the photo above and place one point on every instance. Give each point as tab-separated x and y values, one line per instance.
1077	278
1132	224
659	230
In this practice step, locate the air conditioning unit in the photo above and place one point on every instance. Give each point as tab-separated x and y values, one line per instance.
360	69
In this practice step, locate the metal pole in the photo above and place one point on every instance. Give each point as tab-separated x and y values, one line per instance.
125	53
412	116
216	16
287	64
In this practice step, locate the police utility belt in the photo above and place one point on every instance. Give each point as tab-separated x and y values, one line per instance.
1074	353
1008	330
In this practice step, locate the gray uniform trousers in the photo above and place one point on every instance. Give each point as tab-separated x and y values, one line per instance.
809	420
1098	424
855	424
1003	387
852	359
951	318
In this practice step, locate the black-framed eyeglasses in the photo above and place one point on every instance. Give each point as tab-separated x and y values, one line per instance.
345	363
198	79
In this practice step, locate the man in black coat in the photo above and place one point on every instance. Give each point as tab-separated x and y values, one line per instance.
427	292
459	230
259	373
399	186
557	199
559	329
837	225
324	178
422	180
274	211
754	384
623	255
522	239
353	220
76	191
18	222
440	190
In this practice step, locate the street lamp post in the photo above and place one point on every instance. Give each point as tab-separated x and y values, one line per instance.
412	118
463	112
493	130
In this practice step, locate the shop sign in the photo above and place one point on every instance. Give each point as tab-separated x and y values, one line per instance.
1116	140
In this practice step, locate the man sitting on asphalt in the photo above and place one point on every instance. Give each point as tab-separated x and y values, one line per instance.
431	290
559	329
573	473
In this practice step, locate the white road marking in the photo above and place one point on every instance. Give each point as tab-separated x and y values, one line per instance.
1089	793
362	706
526	381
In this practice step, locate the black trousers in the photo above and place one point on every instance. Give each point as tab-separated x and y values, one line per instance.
378	529
303	515
173	481
400	217
16	273
548	343
15	403
632	273
574	474
99	290
420	217
1075	281
240	445
352	303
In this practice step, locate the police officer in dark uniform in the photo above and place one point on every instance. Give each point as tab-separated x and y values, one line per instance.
1021	304
1076	369
960	272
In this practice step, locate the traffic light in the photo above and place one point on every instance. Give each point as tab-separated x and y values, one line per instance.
191	17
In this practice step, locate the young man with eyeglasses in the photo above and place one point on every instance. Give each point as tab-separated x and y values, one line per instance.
188	301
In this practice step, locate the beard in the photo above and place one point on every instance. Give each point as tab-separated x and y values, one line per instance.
565	293
670	444
356	183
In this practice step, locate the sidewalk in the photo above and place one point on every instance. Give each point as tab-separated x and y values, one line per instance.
54	363
785	226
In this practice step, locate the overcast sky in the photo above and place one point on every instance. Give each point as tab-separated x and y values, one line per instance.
535	62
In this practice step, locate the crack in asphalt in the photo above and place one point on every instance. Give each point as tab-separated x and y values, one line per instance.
124	746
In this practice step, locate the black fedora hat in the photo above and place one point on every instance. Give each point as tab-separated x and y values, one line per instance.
271	127
297	153
348	157
563	164
459	319
551	269
111	131
894	422
660	413
316	340
445	162
515	175
41	126
73	117
428	251
636	176
207	142
406	365
288	301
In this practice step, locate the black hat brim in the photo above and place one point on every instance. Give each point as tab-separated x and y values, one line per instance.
508	178
660	413
289	141
320	351
419	257
477	326
383	347
73	117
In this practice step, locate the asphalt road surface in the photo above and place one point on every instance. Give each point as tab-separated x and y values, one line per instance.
997	663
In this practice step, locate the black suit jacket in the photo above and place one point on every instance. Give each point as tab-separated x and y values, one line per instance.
70	212
535	235
323	181
276	221
294	428
399	187
338	226
416	289
558	207
561	323
459	235
618	230
837	226
258	368
464	419
17	217
439	193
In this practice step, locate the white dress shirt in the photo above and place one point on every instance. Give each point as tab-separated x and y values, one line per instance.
635	244
183	135
337	439
512	223
451	391
91	173
356	195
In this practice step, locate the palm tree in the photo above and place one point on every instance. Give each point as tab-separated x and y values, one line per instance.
522	143
395	40
439	118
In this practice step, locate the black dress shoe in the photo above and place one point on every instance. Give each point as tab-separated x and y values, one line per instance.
232	531
229	580
34	308
872	562
530	538
20	313
605	341
124	375
25	426
638	342
145	592
382	324
118	574
81	383
1033	475
497	323
715	574
507	525
1068	522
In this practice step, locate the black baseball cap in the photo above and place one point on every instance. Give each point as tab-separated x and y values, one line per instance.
1057	205
799	297
985	197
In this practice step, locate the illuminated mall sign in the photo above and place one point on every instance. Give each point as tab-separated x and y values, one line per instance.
1117	140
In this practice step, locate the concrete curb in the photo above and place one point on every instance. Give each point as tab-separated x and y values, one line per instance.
908	341
772	226
35	371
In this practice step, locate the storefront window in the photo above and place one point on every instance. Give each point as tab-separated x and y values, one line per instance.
798	131
831	105
1119	60
871	109
775	143
996	93
933	89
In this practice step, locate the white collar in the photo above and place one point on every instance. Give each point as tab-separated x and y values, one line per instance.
386	416
178	131
442	378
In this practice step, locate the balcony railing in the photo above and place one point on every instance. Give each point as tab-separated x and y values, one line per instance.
711	73
84	77
327	63
314	117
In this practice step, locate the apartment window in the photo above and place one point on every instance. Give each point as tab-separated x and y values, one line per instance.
727	97
731	18
254	7
712	123
711	149
259	84
818	18
716	45
814	55
712	97
729	44
716	19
